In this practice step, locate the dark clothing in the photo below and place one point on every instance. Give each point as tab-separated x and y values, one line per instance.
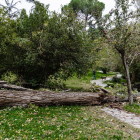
94	75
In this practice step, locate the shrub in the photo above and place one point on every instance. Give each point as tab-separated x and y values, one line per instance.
32	106
55	84
120	89
9	77
110	84
123	76
105	70
116	79
94	88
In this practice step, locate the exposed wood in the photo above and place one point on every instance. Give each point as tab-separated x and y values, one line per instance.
48	98
105	90
13	87
3	82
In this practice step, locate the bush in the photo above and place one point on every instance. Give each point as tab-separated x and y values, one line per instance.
94	88
105	70
55	84
119	89
32	106
110	84
9	77
123	76
116	79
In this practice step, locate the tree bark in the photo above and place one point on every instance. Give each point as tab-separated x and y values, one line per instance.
12	87
48	98
106	91
130	95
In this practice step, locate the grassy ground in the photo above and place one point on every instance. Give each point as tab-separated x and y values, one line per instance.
84	82
135	108
63	122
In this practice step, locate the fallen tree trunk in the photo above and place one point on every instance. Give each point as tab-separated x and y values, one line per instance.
13	87
3	82
48	98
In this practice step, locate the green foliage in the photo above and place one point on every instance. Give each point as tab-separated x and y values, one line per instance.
123	76
118	89
57	44
105	69
92	88
83	84
9	77
120	31
55	84
135	74
99	74
116	79
90	8
9	6
110	84
87	11
32	106
39	45
95	88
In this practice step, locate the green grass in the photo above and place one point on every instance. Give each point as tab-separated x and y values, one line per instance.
109	74
63	122
135	108
84	81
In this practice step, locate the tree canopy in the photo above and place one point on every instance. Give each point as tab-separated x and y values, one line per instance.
40	45
86	10
119	29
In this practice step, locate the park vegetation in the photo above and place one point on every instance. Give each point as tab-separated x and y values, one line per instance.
43	45
62	122
59	51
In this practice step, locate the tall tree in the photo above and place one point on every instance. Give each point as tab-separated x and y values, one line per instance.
86	10
50	45
7	33
9	7
121	33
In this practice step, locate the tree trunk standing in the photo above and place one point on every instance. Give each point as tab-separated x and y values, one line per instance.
130	95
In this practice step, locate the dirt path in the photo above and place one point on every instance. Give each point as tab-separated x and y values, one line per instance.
100	81
124	116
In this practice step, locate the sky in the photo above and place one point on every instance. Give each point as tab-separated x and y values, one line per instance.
56	4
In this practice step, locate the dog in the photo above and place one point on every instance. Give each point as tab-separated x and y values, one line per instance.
103	78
